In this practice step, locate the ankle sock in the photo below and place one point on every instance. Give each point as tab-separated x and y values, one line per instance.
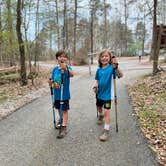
106	126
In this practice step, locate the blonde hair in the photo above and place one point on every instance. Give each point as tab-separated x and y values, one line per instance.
101	53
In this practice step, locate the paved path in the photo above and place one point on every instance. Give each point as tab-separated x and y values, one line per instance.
27	137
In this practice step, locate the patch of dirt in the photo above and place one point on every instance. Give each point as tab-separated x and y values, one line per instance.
14	96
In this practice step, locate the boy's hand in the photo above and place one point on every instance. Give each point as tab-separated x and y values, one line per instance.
56	85
95	89
50	81
115	62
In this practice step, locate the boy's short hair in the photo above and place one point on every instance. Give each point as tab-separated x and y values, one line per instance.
61	52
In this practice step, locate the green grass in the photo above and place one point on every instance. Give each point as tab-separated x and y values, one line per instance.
149	117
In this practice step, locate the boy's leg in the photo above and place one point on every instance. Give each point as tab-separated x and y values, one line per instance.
63	128
105	134
65	118
101	116
57	106
99	105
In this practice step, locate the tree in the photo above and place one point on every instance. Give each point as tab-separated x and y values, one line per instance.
141	34
154	44
57	21
36	32
105	32
75	26
94	7
21	44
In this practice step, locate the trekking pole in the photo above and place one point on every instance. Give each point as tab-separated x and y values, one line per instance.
61	96
53	110
115	99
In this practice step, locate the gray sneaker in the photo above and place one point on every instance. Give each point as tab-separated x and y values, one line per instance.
100	119
62	132
104	136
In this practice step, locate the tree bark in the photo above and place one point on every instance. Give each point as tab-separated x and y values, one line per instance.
125	35
21	44
91	29
105	25
10	30
36	33
75	27
57	21
155	54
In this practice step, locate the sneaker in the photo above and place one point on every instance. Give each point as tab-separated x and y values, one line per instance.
100	119
62	132
104	136
58	125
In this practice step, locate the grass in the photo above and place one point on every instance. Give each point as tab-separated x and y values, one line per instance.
149	117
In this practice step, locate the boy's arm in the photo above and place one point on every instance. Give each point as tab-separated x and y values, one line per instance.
70	72
115	65
120	73
64	66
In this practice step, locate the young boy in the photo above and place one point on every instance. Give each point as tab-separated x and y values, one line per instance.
103	89
59	71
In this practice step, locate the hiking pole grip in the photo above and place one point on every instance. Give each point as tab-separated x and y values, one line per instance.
51	88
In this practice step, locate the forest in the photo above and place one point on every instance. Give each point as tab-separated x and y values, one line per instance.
33	30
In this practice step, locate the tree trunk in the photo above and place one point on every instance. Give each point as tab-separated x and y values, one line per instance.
10	30
155	54
26	26
0	36
36	33
105	26
75	27
64	25
125	35
21	45
57	21
91	29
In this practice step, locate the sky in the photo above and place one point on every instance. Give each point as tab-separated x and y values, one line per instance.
117	10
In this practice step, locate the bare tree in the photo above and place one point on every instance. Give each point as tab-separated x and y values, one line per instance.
91	28
21	43
154	44
10	30
0	33
36	32
75	27
26	26
57	21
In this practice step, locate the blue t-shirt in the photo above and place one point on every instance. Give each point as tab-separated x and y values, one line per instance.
56	77
104	76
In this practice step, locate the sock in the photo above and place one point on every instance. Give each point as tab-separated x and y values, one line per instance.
106	126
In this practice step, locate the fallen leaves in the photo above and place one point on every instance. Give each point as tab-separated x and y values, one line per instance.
149	98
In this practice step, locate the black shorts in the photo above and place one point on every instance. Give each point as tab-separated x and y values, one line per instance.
65	105
103	103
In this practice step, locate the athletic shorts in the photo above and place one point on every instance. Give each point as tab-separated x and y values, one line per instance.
103	103
65	105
